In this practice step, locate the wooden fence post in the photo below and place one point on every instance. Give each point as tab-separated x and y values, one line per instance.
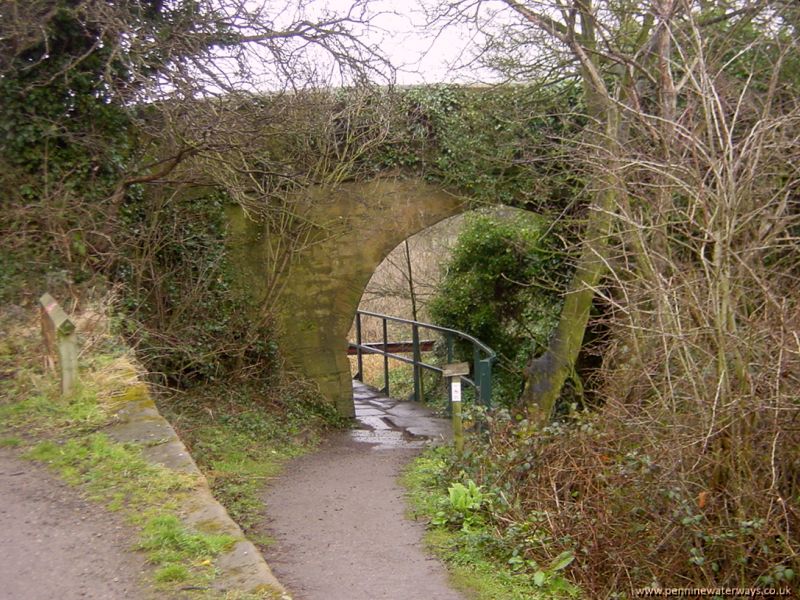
453	372
59	337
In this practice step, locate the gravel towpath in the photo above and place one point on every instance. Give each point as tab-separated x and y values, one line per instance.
338	515
55	545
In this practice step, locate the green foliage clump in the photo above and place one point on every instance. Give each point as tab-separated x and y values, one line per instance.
170	545
501	286
57	93
112	472
496	145
461	505
465	532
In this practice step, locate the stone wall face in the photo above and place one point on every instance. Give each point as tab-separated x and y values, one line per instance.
357	225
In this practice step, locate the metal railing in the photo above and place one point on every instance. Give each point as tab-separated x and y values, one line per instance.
483	357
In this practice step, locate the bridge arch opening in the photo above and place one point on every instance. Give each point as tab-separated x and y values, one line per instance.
402	286
357	225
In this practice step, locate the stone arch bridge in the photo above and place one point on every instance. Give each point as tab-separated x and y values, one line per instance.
356	226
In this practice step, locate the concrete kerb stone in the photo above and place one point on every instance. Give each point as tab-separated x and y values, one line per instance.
242	567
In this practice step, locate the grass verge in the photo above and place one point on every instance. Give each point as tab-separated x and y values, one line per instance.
66	434
241	436
481	563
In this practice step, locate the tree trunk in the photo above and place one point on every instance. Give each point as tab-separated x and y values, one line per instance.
545	375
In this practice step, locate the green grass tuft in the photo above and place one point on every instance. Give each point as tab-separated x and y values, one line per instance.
111	471
80	410
171	573
167	541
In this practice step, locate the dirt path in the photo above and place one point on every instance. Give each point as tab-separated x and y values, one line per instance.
55	545
338	515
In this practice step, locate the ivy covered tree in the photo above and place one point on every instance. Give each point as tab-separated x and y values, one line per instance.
76	74
71	70
103	105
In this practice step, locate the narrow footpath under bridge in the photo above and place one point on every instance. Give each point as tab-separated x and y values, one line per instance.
350	539
356	226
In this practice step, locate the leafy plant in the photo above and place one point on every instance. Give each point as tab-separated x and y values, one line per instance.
501	285
464	532
465	499
560	562
461	507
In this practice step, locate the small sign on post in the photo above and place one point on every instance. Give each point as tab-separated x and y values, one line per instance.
59	337
453	372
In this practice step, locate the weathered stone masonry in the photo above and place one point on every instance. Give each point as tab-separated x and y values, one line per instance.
359	224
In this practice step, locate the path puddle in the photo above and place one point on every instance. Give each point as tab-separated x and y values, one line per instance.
386	439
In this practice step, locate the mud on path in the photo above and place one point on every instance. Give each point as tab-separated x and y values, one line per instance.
338	515
55	545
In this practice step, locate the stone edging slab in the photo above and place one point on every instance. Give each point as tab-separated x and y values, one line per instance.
241	568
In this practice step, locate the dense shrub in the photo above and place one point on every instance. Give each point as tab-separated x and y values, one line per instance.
501	285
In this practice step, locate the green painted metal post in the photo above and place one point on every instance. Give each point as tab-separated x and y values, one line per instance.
484	381
385	360
417	361
448	344
360	373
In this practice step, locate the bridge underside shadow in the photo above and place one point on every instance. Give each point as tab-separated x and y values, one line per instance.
357	225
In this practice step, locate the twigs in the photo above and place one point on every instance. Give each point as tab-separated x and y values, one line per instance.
689	474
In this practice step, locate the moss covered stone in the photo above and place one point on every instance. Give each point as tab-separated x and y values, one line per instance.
356	226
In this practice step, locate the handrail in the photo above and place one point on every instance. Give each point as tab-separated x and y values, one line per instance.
466	336
483	356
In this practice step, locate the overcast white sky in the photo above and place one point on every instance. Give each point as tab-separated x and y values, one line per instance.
421	54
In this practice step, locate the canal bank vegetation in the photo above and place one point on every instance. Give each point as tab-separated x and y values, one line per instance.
503	284
483	560
683	469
